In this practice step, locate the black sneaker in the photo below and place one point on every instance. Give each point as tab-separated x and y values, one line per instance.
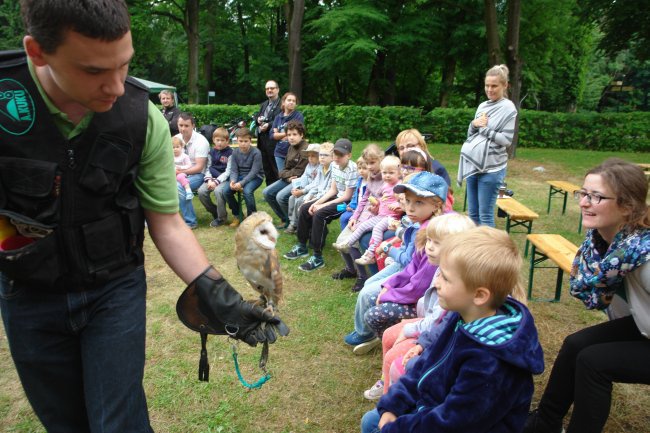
312	264
296	252
535	424
216	223
358	285
343	274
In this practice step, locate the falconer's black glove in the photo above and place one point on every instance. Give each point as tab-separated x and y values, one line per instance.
210	305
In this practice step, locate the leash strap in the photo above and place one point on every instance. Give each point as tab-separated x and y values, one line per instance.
263	359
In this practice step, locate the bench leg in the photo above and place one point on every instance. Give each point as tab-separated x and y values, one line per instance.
531	272
564	205
558	285
240	200
530	229
580	223
550	193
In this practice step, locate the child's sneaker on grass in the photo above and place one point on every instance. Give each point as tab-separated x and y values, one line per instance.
312	264
291	229
343	274
189	195
363	348
296	252
375	392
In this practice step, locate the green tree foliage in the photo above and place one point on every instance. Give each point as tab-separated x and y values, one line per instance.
11	26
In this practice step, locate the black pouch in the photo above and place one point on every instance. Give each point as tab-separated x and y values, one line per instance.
105	245
30	185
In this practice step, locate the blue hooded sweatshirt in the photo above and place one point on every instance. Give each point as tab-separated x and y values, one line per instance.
477	377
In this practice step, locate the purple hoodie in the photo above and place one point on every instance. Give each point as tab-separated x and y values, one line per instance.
408	285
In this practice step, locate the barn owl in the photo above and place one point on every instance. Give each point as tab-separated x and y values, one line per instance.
257	258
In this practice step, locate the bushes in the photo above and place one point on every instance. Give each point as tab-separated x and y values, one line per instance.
591	131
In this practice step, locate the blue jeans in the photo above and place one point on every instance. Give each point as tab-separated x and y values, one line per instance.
248	193
279	162
80	356
370	422
186	206
345	217
482	191
277	196
370	290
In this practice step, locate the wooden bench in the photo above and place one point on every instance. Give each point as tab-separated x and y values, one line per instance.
517	215
556	248
563	188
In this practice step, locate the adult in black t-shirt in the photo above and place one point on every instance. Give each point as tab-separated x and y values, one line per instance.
268	110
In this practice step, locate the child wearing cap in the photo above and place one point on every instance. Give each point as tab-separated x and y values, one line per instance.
424	197
477	376
277	194
314	216
298	185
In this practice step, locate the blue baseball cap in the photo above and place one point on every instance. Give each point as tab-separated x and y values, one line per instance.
424	184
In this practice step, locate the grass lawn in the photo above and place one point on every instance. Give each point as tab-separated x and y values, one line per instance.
317	383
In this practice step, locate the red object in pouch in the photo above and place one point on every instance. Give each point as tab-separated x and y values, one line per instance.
15	242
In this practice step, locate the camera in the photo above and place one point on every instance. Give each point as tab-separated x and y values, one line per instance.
261	120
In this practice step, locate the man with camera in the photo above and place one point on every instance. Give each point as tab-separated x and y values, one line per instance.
264	118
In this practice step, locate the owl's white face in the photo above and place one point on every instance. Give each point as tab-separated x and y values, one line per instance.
265	235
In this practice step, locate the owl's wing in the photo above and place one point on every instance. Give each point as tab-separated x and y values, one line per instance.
276	276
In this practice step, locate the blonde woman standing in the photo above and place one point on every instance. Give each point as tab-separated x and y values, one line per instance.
484	157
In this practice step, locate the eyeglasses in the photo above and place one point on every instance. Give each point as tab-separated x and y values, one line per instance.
593	198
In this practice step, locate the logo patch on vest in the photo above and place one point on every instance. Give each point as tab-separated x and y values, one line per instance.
17	110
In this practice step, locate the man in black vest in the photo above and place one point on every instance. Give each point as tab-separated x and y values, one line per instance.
169	110
268	110
95	160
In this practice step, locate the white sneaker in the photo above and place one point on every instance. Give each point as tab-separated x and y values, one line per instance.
363	348
189	195
375	392
366	259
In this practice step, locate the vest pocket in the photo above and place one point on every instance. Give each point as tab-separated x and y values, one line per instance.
105	244
107	164
30	187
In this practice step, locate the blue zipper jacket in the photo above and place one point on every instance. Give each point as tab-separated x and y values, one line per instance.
477	377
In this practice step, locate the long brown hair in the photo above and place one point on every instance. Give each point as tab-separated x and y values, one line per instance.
630	186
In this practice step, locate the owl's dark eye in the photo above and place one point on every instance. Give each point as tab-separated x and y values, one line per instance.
264	232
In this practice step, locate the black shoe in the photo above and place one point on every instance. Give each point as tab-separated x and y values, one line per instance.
296	252
358	285
343	274
535	424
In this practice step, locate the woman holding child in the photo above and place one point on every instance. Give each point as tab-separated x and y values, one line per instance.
609	272
484	157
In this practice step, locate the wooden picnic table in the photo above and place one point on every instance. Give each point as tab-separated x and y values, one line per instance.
556	248
517	215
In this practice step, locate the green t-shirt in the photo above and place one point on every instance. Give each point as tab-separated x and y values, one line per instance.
156	181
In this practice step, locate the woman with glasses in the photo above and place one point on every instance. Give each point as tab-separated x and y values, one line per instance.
610	272
484	156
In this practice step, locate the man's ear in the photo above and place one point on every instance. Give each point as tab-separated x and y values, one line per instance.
482	296
34	51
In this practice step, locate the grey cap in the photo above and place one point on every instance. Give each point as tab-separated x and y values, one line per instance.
342	145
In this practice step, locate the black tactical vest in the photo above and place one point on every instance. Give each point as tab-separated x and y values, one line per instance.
77	197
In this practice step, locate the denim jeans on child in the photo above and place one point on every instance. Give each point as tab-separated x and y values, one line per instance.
248	193
186	206
370	422
482	191
80	355
277	196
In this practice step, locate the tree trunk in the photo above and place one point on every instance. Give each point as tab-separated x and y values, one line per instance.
492	33
208	58
514	64
447	82
376	78
242	29
295	41
192	30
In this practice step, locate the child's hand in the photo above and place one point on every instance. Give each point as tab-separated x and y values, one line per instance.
395	207
211	185
413	351
393	224
383	290
296	192
386	418
349	209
